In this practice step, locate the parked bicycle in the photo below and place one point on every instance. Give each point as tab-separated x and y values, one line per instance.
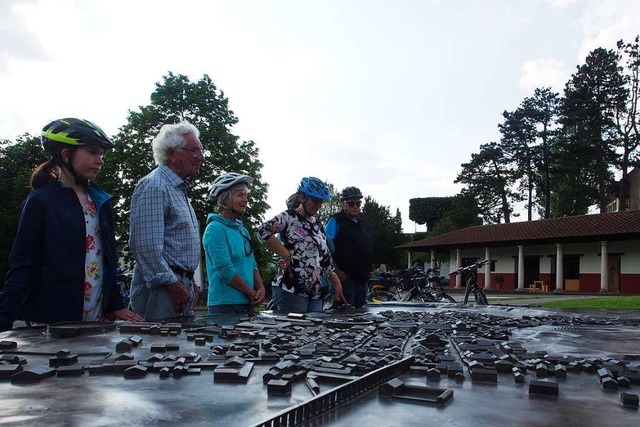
472	283
437	284
410	285
123	281
382	288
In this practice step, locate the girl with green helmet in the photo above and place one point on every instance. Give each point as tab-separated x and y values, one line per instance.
63	262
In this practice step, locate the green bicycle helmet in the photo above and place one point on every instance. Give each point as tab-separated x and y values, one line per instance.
74	133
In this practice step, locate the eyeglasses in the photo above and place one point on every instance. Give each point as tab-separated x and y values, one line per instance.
353	204
194	151
316	200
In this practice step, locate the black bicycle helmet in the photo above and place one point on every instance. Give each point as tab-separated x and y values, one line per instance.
73	132
314	187
226	181
351	193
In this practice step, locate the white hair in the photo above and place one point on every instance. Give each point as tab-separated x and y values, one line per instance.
171	136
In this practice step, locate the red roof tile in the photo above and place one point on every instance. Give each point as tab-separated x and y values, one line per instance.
607	226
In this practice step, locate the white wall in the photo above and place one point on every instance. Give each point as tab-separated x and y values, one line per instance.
589	259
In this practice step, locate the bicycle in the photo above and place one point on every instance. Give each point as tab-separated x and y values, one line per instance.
123	281
436	288
411	285
472	283
382	288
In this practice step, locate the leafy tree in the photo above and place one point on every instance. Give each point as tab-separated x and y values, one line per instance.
174	100
429	210
489	179
443	214
527	137
627	119
592	97
518	139
385	231
331	206
464	213
17	161
572	192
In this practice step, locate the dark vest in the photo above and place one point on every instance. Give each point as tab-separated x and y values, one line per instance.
353	247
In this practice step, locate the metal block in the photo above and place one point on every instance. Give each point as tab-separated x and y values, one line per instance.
33	374
63	360
124	346
629	400
484	375
70	371
6	371
8	345
134	372
279	387
546	388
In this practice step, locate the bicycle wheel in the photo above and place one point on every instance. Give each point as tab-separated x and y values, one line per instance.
467	291
481	298
380	296
448	298
271	305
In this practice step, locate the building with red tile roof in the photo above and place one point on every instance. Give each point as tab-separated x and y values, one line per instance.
563	254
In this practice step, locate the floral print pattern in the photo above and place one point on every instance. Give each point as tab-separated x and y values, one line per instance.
93	264
310	257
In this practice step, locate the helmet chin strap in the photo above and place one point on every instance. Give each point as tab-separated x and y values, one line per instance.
235	213
304	205
68	165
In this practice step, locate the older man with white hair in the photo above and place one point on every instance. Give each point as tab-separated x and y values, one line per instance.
164	230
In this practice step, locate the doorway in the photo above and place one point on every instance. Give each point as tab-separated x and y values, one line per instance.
614	273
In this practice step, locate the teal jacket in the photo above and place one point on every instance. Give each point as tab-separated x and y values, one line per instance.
227	247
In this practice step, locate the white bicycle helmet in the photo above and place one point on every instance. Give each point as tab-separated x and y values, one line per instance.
225	182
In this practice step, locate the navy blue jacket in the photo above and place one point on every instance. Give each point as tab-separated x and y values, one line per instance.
46	275
353	253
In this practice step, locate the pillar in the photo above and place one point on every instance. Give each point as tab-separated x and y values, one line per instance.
458	265
487	269
559	269
520	267
604	267
433	258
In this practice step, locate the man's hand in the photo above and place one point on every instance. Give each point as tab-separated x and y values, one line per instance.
179	296
125	314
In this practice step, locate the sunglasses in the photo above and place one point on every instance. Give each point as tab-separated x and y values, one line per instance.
316	200
355	203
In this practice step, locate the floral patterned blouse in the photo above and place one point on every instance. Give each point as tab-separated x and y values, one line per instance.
310	257
93	264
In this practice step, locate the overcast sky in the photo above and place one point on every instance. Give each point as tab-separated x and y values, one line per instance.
389	96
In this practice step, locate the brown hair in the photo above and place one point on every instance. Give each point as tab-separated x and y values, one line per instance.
44	174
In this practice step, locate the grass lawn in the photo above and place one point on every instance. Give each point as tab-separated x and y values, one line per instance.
604	303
